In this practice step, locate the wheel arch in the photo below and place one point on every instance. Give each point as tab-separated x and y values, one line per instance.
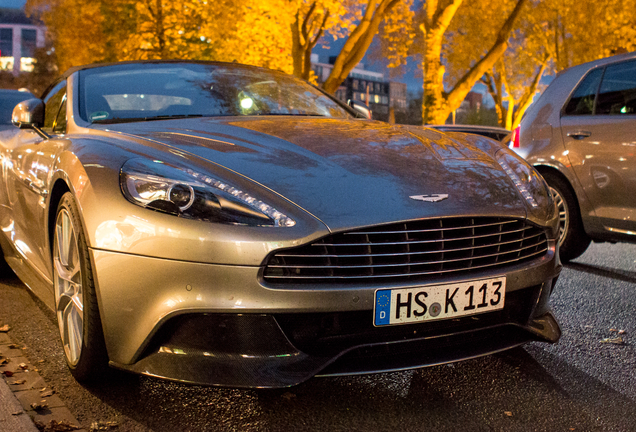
57	192
546	169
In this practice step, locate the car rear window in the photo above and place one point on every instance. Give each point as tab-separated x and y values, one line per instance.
582	100
617	95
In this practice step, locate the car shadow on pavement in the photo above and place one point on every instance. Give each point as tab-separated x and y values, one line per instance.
524	389
608	272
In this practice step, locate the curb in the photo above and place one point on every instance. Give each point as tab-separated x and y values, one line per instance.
24	391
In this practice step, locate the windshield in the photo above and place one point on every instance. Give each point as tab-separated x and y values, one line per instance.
8	101
154	91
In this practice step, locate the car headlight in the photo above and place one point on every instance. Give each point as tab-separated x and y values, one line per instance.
528	181
186	193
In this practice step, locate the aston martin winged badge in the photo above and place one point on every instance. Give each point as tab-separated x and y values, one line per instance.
429	198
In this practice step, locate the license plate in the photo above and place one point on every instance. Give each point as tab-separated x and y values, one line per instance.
436	302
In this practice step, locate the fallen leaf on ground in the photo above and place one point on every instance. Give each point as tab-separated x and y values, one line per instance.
616	341
46	393
4	361
508	413
18	382
5	328
103	426
8	374
622	332
17	413
39	406
23	366
55	426
13	346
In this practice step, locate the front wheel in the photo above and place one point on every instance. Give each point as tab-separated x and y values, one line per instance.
573	240
75	299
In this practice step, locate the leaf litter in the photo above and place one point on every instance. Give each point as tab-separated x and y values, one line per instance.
55	426
103	426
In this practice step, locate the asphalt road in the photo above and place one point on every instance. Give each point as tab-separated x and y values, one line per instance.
580	384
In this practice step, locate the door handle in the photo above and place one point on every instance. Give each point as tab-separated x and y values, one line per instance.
579	135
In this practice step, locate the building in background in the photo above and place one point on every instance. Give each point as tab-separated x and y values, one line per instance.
19	37
366	87
398	96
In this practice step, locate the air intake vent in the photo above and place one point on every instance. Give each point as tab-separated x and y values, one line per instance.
409	250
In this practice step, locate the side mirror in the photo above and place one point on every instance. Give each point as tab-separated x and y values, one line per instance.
361	108
28	114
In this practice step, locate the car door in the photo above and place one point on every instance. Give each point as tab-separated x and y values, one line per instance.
599	132
28	180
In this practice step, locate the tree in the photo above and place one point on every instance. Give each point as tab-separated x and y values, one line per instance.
66	20
358	42
437	103
553	35
512	101
310	22
515	78
589	30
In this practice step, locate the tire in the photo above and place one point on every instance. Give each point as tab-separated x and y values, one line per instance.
80	327
573	240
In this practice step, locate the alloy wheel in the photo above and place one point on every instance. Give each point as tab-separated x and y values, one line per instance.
564	214
69	298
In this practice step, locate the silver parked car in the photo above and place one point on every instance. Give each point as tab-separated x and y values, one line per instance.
581	136
230	225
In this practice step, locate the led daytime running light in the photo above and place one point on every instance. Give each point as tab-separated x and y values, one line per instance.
518	183
279	218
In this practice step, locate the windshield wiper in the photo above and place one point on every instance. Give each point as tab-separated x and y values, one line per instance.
140	119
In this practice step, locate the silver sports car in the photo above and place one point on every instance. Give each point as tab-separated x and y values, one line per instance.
229	225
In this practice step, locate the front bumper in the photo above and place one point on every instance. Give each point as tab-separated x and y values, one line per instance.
219	325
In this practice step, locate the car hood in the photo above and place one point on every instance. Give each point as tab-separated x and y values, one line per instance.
347	173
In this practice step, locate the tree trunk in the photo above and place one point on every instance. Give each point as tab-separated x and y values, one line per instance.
161	34
434	110
305	36
527	98
434	107
357	43
297	50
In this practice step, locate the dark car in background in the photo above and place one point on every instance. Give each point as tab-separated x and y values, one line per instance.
581	136
493	132
8	100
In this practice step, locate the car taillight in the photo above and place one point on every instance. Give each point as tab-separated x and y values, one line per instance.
514	139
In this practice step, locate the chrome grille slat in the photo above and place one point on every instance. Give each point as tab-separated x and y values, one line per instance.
412	263
409	250
420	231
406	253
421	241
404	274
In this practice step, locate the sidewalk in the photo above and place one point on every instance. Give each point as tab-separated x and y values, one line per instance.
10	420
25	399
13	418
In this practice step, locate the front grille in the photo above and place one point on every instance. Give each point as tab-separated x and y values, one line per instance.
404	251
